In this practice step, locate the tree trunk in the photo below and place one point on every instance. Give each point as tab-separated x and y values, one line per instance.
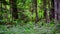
14	9
35	5
0	11
44	6
48	11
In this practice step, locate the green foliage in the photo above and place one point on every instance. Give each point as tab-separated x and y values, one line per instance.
25	24
28	28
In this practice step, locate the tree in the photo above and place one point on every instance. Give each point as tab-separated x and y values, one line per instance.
35	5
44	6
57	9
52	12
14	10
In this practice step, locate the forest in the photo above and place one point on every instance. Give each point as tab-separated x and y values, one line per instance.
29	16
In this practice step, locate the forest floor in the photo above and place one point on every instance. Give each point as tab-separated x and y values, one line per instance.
28	28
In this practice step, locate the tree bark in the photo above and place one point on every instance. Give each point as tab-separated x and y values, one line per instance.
57	9
45	13
35	5
14	9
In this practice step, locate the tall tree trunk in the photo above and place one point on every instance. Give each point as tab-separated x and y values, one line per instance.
35	5
44	6
0	11
52	12
56	9
56	15
58	6
14	9
48	11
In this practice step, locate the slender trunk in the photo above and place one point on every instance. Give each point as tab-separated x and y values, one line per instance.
44	6
35	5
52	11
57	13
56	10
0	10
48	11
14	9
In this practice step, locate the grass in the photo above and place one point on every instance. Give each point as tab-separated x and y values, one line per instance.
29	28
